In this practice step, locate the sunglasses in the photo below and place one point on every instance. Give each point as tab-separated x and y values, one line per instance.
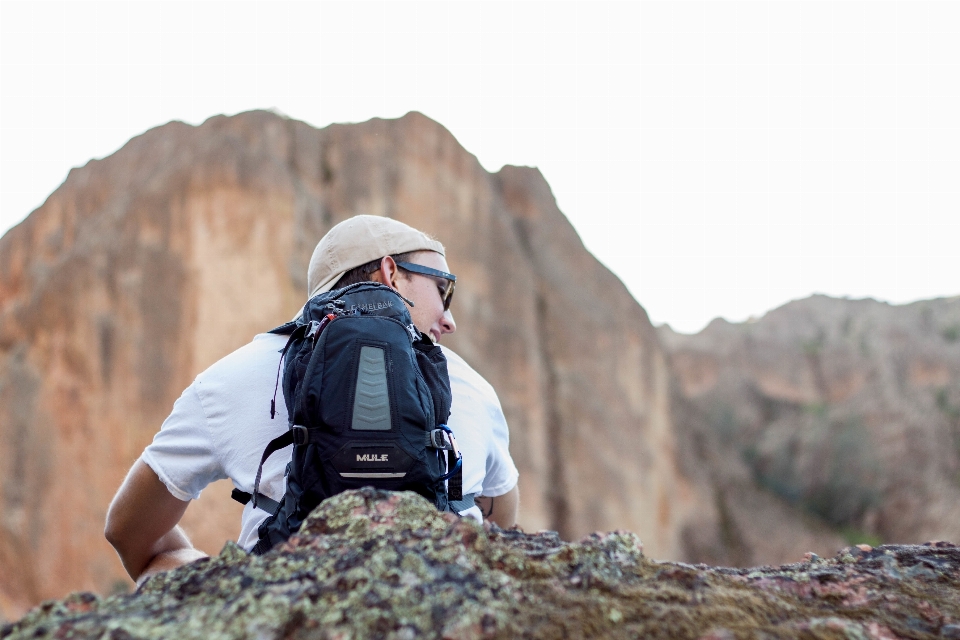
446	290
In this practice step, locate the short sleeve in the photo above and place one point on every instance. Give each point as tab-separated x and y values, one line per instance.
502	474
182	453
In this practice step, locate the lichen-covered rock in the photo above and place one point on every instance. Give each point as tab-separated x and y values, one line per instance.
374	564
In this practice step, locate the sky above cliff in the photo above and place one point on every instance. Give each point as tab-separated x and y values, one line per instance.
721	157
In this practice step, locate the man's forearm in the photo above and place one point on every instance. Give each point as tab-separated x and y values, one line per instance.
142	525
171	551
501	510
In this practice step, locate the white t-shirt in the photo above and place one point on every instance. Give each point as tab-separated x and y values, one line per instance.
221	424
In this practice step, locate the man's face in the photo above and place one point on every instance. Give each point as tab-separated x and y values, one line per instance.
426	292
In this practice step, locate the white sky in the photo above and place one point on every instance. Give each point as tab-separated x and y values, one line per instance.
721	157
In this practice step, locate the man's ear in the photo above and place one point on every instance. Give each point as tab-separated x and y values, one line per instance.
388	273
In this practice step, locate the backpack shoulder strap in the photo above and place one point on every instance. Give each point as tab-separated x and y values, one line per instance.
284	329
295	435
295	328
275	445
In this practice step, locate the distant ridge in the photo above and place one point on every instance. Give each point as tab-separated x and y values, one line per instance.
847	409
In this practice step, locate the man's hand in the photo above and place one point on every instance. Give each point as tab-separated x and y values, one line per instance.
142	526
501	510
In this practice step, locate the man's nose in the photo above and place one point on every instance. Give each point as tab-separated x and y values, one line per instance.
447	323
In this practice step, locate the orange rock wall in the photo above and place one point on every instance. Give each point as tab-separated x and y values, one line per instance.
147	266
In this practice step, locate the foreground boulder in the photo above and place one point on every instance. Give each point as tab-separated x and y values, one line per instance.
373	564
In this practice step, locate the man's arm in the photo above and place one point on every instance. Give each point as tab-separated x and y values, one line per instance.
501	510
142	525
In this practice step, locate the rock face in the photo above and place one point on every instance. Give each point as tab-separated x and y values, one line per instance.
847	409
146	267
371	564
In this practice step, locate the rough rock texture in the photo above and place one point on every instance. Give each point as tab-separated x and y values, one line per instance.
846	409
147	266
371	564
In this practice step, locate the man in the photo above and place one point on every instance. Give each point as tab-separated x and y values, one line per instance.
221	423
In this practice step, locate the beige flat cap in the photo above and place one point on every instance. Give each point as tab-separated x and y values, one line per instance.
357	241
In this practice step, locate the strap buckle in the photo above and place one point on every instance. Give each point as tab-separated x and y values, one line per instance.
441	439
301	435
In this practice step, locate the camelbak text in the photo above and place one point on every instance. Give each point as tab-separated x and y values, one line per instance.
372	457
372	306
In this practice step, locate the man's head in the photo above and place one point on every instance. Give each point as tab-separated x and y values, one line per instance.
375	248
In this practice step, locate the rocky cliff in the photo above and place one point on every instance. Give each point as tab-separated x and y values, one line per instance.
147	266
848	410
369	564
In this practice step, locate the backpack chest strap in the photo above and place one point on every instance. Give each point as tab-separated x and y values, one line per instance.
266	503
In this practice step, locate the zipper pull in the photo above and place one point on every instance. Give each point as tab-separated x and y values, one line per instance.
413	331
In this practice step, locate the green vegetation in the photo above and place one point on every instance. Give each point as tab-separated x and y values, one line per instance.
813	347
856	536
943	403
839	487
723	422
848	488
846	326
951	333
817	409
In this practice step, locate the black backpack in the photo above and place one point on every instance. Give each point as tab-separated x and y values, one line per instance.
368	398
